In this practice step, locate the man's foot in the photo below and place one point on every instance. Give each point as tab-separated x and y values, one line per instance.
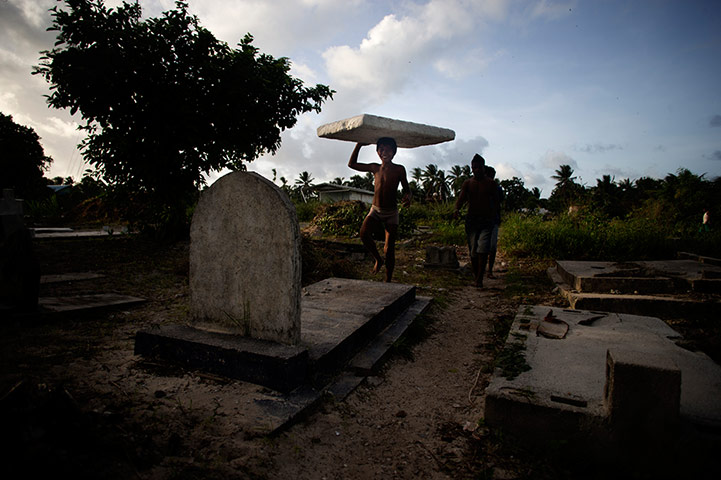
490	275
479	285
378	265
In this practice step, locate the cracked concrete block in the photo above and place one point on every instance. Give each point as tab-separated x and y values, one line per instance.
642	392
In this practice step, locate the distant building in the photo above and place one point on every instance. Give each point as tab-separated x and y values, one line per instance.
330	192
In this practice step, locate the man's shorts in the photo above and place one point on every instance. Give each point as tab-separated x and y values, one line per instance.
386	217
479	232
494	238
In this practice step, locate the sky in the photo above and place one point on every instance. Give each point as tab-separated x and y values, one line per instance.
622	88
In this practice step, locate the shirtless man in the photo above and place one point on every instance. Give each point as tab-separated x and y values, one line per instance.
384	211
481	193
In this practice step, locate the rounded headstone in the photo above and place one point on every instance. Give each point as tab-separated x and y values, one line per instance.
245	262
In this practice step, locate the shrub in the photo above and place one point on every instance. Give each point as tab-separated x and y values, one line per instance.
586	237
345	219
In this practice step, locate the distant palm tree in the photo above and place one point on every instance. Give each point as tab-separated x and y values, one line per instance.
457	176
564	176
435	183
338	181
304	182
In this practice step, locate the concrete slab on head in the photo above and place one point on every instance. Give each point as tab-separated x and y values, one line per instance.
367	128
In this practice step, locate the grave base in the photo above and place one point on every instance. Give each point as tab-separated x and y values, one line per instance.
345	324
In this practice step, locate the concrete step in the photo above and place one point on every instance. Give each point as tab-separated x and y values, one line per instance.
682	305
368	360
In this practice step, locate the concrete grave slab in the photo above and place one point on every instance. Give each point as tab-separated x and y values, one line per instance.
367	128
86	303
658	276
666	289
339	318
245	260
70	277
561	396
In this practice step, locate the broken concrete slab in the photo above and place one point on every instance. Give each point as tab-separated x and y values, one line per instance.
642	277
368	129
559	395
678	302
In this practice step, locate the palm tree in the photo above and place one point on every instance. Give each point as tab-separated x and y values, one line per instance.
435	183
567	191
564	176
457	176
338	181
304	182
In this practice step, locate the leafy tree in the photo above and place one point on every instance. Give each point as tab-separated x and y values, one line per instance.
165	103
23	160
365	182
517	196
606	197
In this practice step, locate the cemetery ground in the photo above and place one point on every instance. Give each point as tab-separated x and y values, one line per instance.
75	400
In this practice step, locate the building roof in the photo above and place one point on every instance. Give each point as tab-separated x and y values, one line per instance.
333	187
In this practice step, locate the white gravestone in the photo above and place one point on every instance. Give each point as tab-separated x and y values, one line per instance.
245	262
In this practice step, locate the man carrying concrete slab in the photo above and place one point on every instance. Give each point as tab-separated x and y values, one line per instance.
481	193
384	211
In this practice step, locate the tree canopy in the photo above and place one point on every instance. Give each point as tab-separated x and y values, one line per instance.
164	102
23	160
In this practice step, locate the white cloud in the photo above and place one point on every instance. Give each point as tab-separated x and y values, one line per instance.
58	127
551	10
552	159
398	47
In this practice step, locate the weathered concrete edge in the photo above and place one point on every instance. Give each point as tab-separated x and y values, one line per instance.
266	363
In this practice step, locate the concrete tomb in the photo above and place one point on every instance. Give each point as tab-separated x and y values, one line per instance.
613	386
686	287
246	308
367	128
245	264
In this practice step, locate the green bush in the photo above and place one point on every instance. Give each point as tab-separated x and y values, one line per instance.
345	219
586	237
306	211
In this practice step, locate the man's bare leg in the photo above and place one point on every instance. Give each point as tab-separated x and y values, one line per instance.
474	266
482	260
390	250
366	234
491	261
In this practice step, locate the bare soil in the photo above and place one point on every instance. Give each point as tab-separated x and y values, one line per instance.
76	401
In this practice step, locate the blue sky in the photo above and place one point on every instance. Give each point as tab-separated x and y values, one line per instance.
620	88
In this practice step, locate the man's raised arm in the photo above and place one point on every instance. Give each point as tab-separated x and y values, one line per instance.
353	162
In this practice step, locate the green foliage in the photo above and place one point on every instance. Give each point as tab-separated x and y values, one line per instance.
306	211
46	210
346	218
585	237
164	102
341	218
23	160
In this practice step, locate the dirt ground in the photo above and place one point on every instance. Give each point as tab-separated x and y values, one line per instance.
76	401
